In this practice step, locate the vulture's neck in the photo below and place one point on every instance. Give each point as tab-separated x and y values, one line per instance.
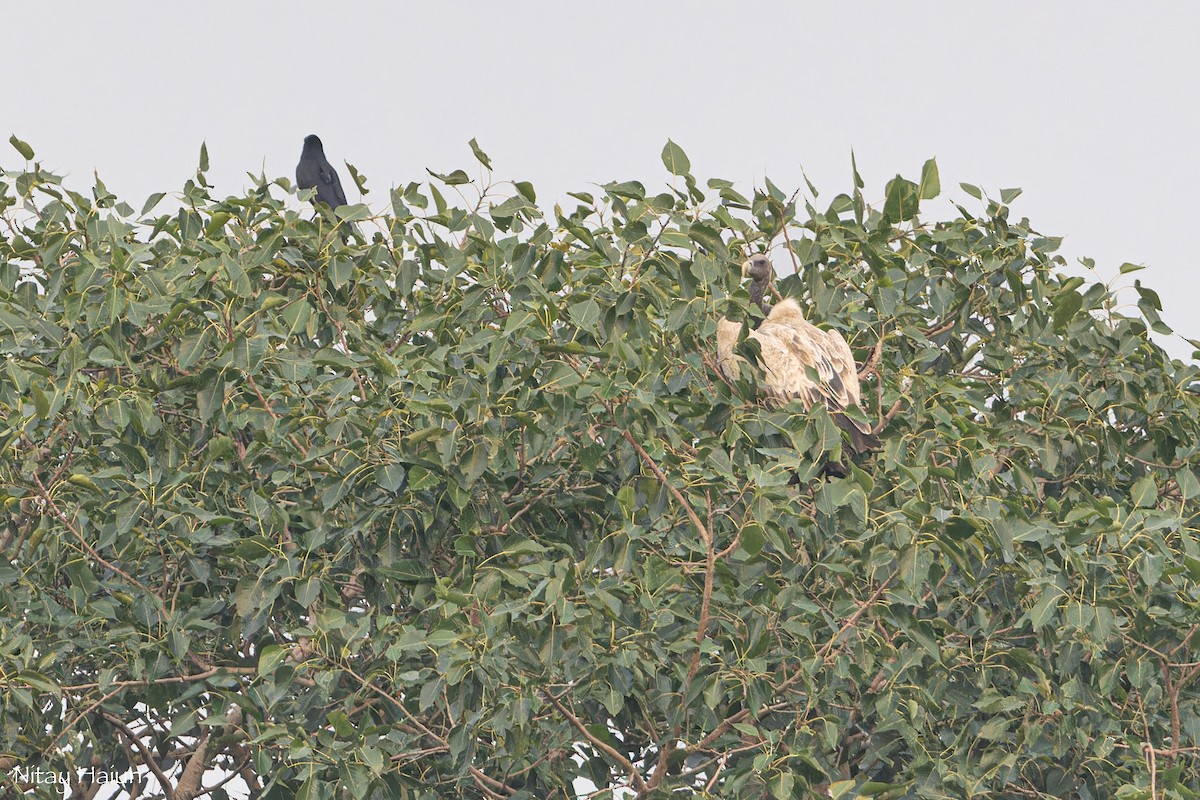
758	290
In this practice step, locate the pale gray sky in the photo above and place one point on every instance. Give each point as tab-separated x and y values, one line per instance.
1091	108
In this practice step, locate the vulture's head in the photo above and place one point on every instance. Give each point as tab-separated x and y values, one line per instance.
757	267
786	312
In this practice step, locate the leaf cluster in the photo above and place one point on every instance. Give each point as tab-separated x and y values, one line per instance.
460	506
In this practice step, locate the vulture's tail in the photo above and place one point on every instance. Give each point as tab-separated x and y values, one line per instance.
860	441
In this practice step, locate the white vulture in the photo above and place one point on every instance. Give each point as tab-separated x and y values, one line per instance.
788	344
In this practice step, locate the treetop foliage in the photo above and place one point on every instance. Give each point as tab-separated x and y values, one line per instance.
458	505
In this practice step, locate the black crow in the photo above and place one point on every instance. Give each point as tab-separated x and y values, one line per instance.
315	172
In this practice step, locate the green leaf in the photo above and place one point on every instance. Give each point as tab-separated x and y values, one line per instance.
675	160
475	463
1192	565
994	729
1144	492
41	403
526	190
340	271
858	181
354	212
359	180
480	155
931	184
1066	306
630	190
25	150
308	591
510	207
341	725
959	528
151	202
456	178
39	681
902	201
390	477
974	191
781	785
217	223
752	539
272	656
311	789
585	314
296	317
1189	486
420	478
1148	296
1045	607
204	157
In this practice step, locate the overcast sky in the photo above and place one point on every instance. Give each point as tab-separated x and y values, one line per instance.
1093	112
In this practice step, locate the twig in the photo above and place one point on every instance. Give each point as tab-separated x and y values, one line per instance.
635	778
136	741
501	529
86	544
416	722
705	535
160	681
868	367
267	407
889	416
1152	765
710	568
80	716
489	785
951	319
704	532
855	617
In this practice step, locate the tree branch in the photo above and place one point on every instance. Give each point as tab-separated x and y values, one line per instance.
135	740
189	786
635	777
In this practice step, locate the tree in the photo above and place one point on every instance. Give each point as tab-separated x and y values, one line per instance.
467	510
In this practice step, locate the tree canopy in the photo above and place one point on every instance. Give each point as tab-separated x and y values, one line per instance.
458	505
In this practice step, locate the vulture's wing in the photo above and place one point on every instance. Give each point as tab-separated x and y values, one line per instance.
842	359
728	333
786	352
792	352
843	385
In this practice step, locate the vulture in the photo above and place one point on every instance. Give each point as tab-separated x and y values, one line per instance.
789	344
315	172
758	268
